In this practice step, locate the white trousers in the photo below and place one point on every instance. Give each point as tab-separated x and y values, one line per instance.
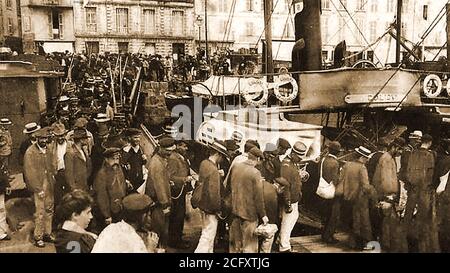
209	230
3	224
288	221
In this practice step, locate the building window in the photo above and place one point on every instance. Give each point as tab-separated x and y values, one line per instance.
250	6
390	6
123	47
149	21
361	5
55	24
374	6
343	4
178	23
326	4
50	25
122	20
91	19
8	4
92	48
10	26
373	31
249	29
425	12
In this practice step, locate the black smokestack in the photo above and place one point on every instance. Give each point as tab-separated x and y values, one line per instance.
307	55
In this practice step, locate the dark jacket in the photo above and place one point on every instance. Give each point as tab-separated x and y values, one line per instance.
77	168
420	168
330	169
4	179
158	183
65	237
210	200
247	197
290	172
178	168
134	161
110	188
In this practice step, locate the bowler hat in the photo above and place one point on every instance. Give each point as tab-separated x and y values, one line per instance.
137	202
299	148
363	151
31	128
5	121
270	148
219	146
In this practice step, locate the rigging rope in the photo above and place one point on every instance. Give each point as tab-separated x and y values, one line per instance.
227	32
266	24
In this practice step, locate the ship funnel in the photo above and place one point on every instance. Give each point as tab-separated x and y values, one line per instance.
307	27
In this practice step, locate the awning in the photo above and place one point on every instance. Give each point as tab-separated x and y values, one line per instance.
51	47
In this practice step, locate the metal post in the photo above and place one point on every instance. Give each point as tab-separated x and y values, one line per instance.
268	6
206	30
448	35
399	31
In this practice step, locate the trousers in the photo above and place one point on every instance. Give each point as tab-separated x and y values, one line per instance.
44	215
3	224
209	230
242	237
288	221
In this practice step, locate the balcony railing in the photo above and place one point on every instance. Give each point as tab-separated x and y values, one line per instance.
51	3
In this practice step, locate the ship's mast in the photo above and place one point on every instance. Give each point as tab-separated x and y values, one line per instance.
399	31
268	6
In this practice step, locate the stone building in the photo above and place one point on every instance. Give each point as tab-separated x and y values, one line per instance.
10	29
47	22
151	27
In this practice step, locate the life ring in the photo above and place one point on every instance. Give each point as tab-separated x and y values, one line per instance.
448	87
432	91
250	98
292	95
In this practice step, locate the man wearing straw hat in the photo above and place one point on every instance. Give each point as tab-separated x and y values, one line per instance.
290	171
357	191
30	129
39	169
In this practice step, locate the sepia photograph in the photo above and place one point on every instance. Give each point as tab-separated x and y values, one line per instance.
225	127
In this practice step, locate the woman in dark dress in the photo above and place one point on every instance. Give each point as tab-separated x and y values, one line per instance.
74	215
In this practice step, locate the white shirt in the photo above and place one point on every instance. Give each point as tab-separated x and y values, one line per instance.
129	147
60	152
119	238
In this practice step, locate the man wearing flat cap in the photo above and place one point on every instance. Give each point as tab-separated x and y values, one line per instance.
282	147
290	170
129	235
330	166
247	203
158	188
81	123
178	167
39	169
110	187
420	174
78	162
133	158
